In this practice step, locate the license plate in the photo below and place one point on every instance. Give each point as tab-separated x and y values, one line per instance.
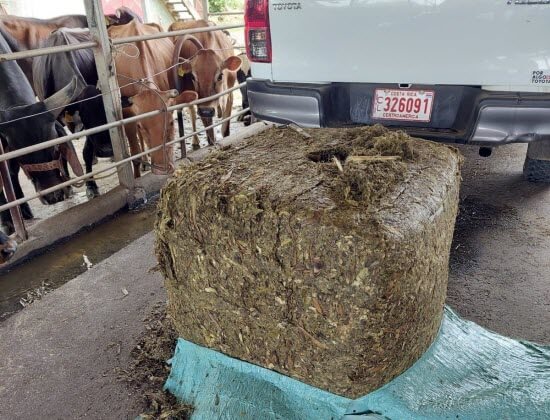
403	105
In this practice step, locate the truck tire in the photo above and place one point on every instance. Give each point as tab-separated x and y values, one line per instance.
537	162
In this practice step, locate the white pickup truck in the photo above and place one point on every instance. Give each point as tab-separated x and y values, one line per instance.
462	71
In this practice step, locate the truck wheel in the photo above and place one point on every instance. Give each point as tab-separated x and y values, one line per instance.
537	162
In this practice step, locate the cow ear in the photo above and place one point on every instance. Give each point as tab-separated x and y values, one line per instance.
58	101
186	97
184	68
232	63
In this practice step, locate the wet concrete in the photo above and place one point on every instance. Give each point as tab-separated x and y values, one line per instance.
70	258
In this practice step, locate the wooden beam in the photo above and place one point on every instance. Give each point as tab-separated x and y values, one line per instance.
111	97
204	9
191	8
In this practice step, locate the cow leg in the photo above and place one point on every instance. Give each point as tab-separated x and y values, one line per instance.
210	134
142	135
5	216
227	112
92	191
193	113
134	142
14	172
181	132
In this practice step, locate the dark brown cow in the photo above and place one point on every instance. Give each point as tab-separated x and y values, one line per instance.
209	66
152	63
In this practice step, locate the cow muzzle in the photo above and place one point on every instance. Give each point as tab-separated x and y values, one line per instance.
207	112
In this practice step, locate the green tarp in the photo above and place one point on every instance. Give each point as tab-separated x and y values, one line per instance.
468	373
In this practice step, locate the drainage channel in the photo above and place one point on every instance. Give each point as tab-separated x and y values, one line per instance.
50	270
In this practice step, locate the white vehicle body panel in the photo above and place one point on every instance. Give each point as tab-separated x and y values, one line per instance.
495	43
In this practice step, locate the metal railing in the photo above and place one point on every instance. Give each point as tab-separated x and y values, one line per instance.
103	52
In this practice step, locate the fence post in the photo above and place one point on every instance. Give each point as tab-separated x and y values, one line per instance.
205	9
111	101
15	212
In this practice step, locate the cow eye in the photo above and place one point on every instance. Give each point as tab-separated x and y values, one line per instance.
220	77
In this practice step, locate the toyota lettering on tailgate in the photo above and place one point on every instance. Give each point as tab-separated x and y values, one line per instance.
403	105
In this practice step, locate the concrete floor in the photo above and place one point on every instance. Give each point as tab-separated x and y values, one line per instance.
60	354
500	259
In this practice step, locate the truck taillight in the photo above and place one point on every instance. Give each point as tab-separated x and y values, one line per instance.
257	35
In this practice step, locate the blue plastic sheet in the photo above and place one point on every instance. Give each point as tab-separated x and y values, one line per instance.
468	373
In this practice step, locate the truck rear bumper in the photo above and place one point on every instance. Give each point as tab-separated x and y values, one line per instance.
461	114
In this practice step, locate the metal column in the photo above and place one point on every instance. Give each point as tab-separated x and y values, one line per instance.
113	109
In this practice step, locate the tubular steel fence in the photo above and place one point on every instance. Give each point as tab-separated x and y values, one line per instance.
104	48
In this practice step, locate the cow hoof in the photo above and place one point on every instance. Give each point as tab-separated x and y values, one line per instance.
26	211
92	192
196	146
145	166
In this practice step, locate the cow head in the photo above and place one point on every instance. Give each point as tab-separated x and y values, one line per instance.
207	70
122	16
159	129
19	132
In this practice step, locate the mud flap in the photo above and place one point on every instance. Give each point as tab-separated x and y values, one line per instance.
537	162
539	150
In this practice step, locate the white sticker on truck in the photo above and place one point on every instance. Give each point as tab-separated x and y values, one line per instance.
540	77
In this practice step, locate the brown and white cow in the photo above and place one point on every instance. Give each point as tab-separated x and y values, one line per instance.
208	66
148	64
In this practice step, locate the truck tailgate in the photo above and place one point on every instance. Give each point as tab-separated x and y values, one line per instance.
460	42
